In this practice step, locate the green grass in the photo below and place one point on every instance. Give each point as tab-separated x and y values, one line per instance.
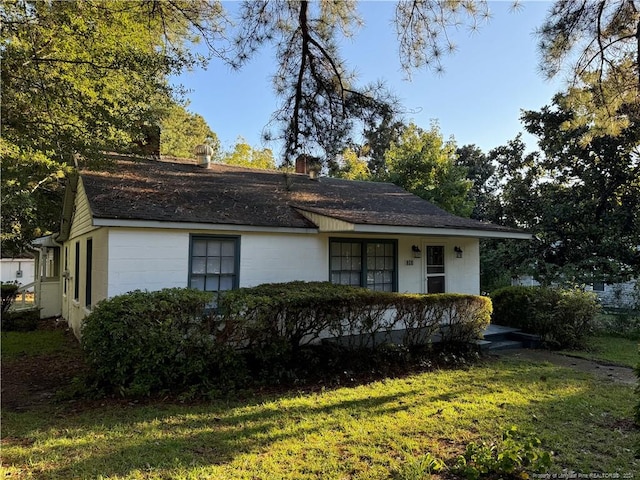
610	350
370	431
39	342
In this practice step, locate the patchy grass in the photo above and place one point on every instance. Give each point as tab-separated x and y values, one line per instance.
610	350
371	431
38	342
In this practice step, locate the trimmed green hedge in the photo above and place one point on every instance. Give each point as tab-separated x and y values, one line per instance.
145	342
299	313
562	317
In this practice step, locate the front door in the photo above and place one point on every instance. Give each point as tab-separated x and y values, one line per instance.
434	268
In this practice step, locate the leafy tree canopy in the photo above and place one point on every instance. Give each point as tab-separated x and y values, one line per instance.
80	78
83	77
352	167
423	163
243	155
596	43
32	190
484	182
181	131
582	201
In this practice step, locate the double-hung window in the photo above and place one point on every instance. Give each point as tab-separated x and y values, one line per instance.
214	264
364	263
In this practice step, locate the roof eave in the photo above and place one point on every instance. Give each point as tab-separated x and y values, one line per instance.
330	224
227	227
441	231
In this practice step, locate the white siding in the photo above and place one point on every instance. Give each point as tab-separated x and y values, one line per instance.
11	267
271	258
156	259
126	259
147	259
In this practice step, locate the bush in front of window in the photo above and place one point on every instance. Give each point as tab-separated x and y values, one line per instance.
151	342
291	331
147	342
562	317
284	317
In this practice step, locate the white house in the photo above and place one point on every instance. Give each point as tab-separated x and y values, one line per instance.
151	224
20	270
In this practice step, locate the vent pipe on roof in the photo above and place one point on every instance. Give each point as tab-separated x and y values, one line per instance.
203	155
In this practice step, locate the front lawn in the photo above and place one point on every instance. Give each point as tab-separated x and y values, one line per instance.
610	350
38	342
368	431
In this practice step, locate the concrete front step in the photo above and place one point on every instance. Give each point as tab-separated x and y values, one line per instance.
504	345
498	337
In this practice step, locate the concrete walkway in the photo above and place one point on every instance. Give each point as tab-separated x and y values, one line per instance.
615	373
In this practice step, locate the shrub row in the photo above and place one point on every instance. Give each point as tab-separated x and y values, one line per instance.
299	313
144	342
562	317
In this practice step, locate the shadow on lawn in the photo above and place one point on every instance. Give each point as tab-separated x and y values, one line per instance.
162	439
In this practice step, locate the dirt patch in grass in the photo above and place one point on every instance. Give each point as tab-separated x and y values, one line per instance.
29	381
614	373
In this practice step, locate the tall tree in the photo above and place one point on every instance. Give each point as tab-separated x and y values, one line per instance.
423	163
484	182
379	134
79	78
598	43
321	101
243	155
182	131
582	201
595	194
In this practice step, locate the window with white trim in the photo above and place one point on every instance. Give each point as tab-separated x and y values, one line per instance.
214	264
364	263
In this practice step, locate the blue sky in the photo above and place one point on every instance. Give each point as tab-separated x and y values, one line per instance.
477	100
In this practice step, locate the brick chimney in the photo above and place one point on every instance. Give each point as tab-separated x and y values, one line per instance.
308	165
301	164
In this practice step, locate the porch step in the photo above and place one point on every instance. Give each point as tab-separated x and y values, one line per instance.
497	337
504	345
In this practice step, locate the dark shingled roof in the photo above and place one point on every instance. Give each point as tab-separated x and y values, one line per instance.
223	194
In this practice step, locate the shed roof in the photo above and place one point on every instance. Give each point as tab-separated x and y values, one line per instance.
151	190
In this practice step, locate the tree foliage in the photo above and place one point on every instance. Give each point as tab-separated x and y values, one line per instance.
582	201
352	167
597	42
182	131
32	190
484	182
243	155
423	163
83	77
80	78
